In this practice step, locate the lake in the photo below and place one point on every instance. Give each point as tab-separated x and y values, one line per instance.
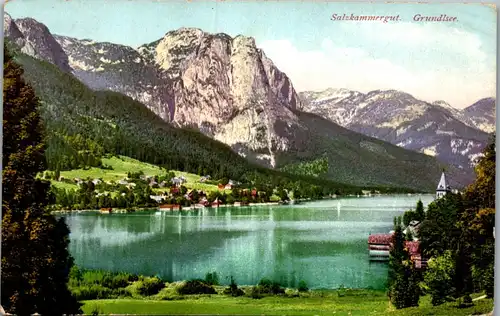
323	243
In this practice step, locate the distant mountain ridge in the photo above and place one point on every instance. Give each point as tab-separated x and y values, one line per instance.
228	89
436	129
481	115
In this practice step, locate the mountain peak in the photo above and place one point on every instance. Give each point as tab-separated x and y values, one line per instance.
187	31
441	103
445	105
11	31
482	105
391	93
38	41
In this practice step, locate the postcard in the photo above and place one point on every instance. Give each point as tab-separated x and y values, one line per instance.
259	157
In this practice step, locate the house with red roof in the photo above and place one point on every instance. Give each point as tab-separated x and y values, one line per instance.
216	203
379	246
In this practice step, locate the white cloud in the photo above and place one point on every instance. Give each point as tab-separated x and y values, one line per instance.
431	61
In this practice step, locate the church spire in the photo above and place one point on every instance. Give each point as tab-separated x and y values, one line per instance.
442	187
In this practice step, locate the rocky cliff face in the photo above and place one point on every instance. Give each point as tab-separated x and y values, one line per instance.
35	39
119	68
434	129
12	32
228	89
225	87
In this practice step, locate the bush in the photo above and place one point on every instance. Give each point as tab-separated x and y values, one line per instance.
233	289
117	281
256	293
439	278
196	287
121	292
75	276
91	292
303	286
267	286
212	278
341	291
106	279
150	286
93	277
292	293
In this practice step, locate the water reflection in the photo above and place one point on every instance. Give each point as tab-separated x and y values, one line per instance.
309	242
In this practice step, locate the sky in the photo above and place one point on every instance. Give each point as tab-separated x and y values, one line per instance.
450	61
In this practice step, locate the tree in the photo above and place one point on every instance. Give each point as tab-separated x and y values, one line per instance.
439	231
396	254
404	290
408	216
296	194
282	194
419	211
183	190
35	257
481	193
439	278
476	224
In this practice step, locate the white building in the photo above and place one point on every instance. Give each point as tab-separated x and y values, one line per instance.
443	188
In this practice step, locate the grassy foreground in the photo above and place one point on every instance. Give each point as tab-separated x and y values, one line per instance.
357	302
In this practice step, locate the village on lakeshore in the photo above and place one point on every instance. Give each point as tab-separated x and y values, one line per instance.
171	192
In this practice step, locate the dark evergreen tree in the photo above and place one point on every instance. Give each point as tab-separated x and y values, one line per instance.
35	257
396	254
404	290
419	211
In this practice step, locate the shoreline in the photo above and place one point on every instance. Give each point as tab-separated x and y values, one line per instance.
183	208
197	207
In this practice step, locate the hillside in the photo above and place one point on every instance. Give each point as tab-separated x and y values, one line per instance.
377	160
120	166
481	114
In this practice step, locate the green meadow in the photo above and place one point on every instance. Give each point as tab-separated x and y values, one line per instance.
358	302
121	166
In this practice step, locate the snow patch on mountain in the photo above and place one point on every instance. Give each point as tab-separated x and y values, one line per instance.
430	151
405	142
474	158
425	126
402	130
450	133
